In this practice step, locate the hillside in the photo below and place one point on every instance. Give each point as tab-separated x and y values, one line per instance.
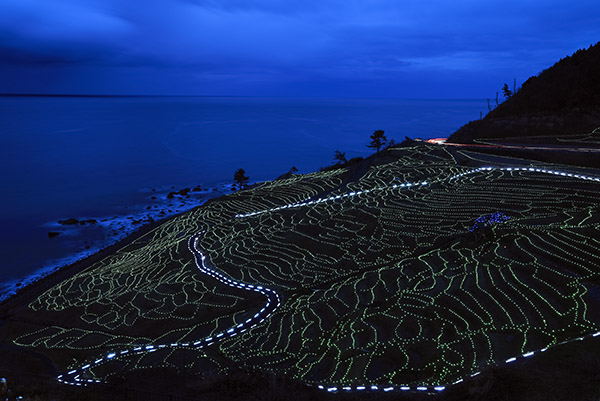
410	271
562	100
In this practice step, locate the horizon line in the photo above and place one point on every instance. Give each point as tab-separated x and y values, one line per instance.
83	95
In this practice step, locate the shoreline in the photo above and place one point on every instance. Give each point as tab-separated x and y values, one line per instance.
37	283
28	292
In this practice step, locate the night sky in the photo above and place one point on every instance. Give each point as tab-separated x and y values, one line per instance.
368	48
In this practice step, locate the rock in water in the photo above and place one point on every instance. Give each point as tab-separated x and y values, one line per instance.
68	222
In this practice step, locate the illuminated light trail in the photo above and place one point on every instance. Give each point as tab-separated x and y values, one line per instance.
484	220
439	388
529	169
332	198
309	202
73	377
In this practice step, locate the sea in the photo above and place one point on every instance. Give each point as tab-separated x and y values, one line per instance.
106	165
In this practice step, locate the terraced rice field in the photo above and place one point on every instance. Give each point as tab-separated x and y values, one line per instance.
410	271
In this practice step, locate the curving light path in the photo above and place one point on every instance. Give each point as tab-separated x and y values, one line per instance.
413	185
73	377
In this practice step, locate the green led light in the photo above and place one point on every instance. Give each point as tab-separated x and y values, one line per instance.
383	283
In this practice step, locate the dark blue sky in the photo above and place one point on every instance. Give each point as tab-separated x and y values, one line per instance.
372	48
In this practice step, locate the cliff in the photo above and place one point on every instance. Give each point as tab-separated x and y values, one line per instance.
563	100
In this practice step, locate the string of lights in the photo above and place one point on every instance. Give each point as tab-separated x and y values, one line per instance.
382	286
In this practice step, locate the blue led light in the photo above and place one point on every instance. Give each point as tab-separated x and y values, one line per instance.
488	220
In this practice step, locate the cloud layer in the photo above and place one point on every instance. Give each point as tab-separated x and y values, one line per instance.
220	47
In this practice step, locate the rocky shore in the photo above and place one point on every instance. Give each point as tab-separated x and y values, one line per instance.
90	239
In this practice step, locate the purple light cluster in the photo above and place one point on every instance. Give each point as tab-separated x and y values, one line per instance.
488	220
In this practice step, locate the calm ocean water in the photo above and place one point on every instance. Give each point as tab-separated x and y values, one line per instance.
101	158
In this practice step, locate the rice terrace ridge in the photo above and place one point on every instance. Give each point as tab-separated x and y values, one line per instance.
437	262
410	271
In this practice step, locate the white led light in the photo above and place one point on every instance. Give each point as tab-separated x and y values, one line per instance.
200	259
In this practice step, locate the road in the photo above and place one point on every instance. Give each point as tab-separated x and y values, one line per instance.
442	141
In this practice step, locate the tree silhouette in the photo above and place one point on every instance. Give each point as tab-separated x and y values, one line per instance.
378	139
241	178
506	92
340	157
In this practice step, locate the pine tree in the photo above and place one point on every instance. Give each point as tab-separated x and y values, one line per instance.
378	139
506	92
241	178
340	157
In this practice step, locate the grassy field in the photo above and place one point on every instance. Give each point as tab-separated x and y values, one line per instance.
417	268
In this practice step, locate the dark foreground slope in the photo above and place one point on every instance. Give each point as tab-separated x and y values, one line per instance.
414	268
563	100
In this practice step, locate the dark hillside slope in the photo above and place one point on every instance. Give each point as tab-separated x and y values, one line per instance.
420	269
562	100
